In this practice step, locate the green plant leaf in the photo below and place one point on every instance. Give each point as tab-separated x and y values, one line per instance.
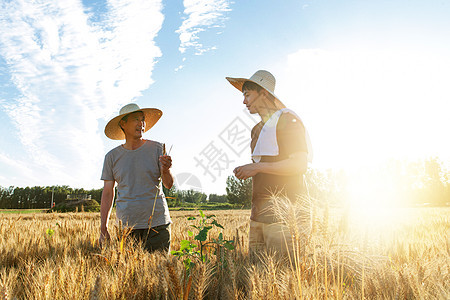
217	224
203	234
202	214
191	218
49	232
190	233
185	245
187	263
229	245
176	253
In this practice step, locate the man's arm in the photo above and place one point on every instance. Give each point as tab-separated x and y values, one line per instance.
105	208
166	175
297	163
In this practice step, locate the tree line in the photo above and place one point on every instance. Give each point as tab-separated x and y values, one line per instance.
39	197
408	183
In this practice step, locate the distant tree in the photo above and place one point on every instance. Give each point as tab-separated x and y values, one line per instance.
192	196
172	196
96	194
327	186
7	198
435	183
218	198
239	191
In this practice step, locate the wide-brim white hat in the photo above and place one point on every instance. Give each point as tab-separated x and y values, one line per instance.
113	130
263	78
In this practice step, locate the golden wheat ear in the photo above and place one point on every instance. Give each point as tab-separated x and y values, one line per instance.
173	279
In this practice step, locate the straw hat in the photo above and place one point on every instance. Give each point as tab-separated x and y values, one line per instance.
113	130
262	78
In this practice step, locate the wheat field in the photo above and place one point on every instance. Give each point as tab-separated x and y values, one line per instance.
404	254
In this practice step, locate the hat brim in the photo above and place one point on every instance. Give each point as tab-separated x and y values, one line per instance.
114	132
238	83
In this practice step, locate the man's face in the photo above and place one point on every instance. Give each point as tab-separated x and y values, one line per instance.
253	100
134	126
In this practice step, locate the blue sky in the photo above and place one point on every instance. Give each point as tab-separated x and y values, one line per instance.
368	78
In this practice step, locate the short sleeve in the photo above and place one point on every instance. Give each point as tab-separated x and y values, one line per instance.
107	172
291	134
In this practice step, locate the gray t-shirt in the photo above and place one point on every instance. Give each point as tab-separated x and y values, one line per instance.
137	173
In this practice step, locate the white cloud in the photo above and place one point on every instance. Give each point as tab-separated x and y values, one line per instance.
72	71
201	15
13	165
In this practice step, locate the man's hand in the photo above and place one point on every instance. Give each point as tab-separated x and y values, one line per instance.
166	163
246	171
104	237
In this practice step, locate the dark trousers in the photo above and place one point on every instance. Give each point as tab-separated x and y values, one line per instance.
153	239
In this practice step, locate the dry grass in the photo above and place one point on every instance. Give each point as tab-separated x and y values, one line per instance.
341	258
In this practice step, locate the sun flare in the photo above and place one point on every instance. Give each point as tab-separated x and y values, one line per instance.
374	199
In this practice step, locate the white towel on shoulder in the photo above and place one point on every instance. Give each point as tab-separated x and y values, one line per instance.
267	145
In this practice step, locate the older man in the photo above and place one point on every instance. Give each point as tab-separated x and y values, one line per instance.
138	167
